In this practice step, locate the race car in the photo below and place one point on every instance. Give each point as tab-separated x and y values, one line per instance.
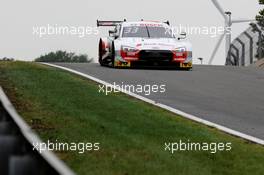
149	43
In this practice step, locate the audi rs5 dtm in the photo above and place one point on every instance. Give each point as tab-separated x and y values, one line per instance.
143	43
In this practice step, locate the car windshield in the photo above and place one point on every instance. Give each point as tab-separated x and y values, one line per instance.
147	32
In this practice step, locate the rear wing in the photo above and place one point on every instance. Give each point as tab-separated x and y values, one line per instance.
108	23
115	23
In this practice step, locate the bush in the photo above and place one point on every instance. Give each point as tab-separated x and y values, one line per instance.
259	29
63	56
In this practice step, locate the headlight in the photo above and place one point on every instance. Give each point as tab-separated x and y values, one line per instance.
180	53
128	49
180	49
129	53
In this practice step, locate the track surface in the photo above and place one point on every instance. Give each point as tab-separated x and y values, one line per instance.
228	96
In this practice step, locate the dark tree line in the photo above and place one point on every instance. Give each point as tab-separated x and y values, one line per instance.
259	29
260	16
63	56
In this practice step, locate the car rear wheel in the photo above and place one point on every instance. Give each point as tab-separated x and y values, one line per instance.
113	55
100	60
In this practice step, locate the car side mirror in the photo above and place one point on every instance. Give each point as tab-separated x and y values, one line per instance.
116	36
182	36
113	34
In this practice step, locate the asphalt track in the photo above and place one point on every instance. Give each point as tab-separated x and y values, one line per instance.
229	96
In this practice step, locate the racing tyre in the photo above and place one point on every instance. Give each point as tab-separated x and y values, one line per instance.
100	60
113	55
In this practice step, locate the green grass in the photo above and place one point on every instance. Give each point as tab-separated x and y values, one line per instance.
131	133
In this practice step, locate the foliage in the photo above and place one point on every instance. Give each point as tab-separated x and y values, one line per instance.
259	28
63	56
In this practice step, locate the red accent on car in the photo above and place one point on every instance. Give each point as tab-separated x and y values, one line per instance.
180	56
103	45
106	45
130	56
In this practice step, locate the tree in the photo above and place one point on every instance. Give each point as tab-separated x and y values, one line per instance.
259	28
260	16
63	56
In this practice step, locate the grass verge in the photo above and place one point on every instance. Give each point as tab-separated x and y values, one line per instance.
131	133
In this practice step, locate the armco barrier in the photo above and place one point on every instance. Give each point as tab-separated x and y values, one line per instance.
17	156
243	50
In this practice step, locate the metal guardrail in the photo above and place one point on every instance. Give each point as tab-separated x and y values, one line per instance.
243	49
17	156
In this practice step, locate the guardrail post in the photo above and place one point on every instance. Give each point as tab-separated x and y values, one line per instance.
250	47
243	51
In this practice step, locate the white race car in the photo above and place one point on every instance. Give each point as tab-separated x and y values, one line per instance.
143	43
